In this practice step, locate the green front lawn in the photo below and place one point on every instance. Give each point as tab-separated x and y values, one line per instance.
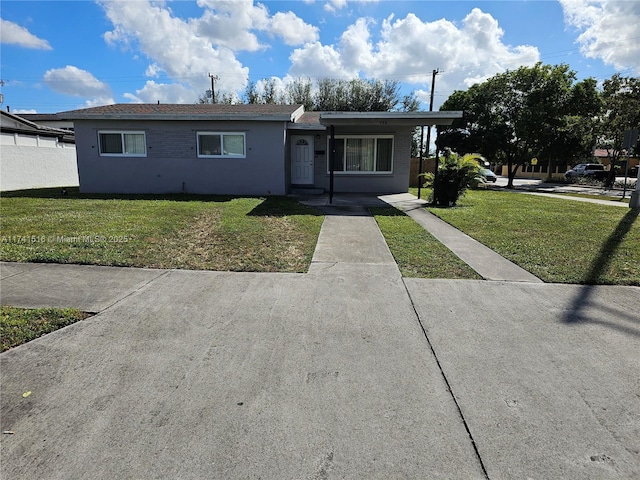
273	234
557	240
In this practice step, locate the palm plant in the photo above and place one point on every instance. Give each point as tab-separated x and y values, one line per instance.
455	174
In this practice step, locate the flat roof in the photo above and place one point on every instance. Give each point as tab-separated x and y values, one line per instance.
389	118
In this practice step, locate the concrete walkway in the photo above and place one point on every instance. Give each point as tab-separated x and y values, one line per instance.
350	240
348	371
487	263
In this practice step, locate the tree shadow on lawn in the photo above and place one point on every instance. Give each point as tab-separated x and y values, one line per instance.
271	206
74	193
278	206
585	308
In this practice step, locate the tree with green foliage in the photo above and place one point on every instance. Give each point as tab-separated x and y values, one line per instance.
520	114
621	98
359	95
224	98
355	95
269	93
329	94
298	92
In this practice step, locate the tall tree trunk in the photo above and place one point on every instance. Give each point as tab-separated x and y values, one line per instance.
511	172
611	178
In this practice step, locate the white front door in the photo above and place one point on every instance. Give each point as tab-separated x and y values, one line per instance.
302	160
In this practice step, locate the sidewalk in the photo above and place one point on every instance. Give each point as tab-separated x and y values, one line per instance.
611	197
348	371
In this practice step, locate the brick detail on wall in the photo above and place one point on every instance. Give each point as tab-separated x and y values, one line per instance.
171	144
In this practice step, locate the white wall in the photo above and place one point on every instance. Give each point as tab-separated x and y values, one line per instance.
36	162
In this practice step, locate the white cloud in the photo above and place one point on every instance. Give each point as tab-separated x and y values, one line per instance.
408	50
13	34
405	49
609	30
153	92
318	61
292	29
74	81
186	50
153	70
356	47
173	45
230	23
18	111
98	102
335	5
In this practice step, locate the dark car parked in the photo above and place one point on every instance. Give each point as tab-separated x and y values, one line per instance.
488	175
594	170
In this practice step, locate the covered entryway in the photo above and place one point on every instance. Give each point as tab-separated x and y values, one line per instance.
302	160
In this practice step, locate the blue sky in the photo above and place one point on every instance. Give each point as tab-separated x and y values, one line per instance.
63	55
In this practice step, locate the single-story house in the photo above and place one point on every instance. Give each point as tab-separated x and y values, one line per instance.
35	155
243	149
603	156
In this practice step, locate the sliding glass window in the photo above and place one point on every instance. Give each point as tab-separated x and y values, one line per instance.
122	144
364	154
221	145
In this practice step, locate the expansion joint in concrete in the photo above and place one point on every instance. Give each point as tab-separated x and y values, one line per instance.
163	273
446	381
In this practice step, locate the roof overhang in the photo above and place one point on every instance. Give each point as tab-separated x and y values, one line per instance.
236	117
407	119
224	116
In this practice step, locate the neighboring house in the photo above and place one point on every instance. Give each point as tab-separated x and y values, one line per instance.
243	149
35	156
603	156
48	120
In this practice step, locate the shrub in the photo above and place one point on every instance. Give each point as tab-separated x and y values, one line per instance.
455	175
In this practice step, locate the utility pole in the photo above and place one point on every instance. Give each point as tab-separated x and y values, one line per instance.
433	83
214	78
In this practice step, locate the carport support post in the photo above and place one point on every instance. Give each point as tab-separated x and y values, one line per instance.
420	161
332	159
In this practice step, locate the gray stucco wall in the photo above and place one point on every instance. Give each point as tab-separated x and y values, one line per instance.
395	182
172	164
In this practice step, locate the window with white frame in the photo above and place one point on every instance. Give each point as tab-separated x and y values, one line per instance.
221	145
364	154
122	143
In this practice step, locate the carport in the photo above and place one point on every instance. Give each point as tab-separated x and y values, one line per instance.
369	123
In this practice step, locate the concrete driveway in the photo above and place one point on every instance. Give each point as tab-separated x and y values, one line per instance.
348	371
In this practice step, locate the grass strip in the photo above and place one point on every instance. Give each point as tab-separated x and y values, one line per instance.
21	325
417	252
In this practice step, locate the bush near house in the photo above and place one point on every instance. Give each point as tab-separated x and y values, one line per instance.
455	175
